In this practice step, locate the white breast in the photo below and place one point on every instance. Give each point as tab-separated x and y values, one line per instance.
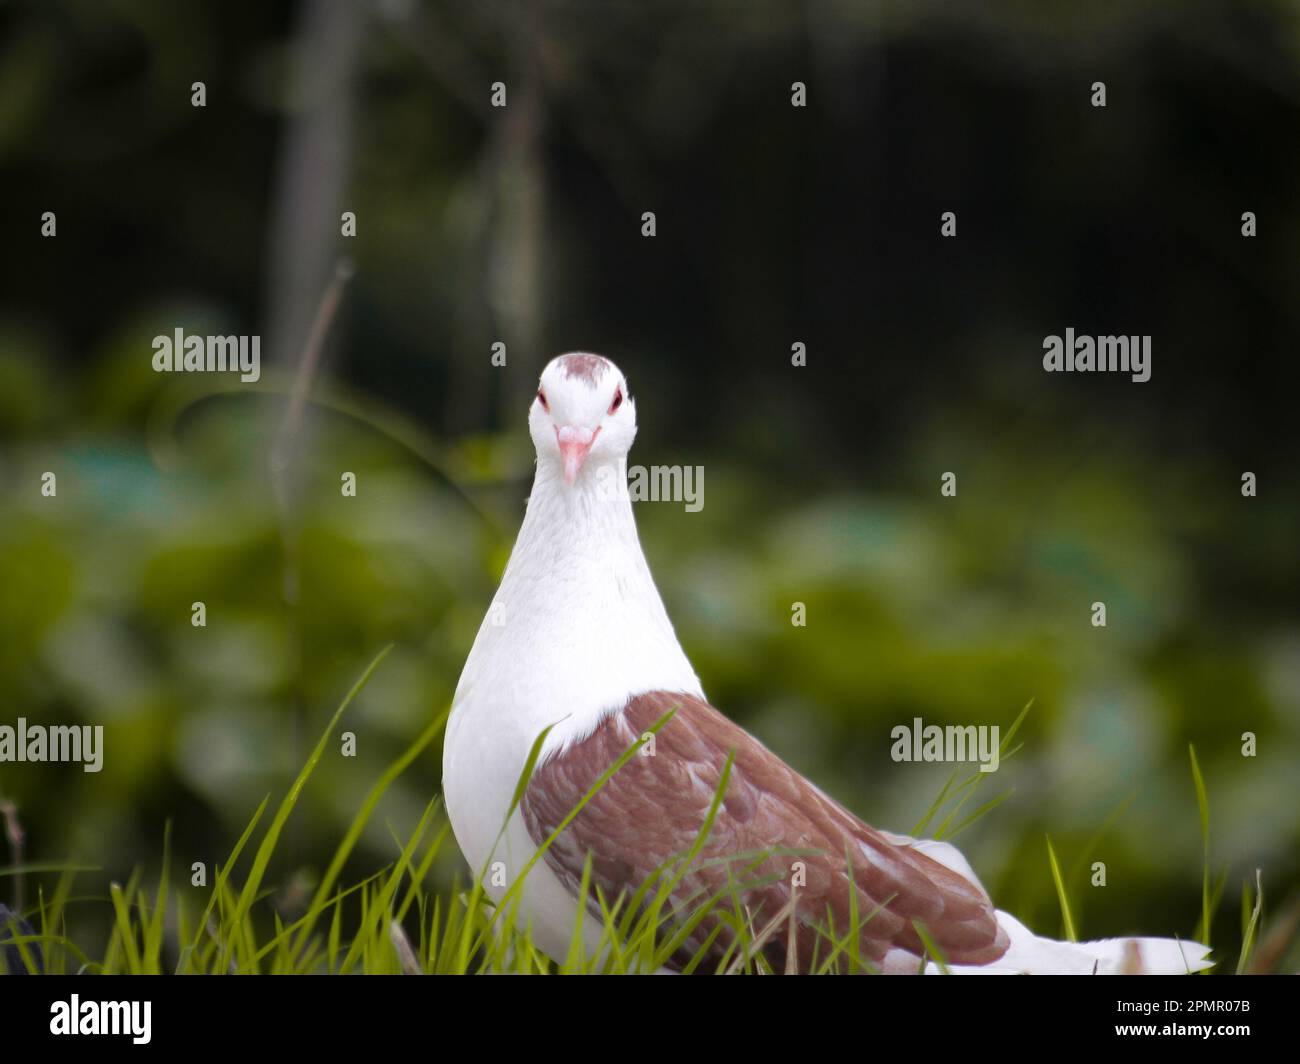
576	628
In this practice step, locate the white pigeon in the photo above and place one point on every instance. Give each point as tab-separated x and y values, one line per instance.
577	640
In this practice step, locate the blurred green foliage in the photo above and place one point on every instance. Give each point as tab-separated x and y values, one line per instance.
954	610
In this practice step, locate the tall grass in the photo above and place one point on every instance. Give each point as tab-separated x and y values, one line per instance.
393	922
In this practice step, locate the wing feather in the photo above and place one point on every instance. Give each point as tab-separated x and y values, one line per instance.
651	812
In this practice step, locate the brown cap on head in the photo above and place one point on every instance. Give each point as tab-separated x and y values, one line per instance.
589	368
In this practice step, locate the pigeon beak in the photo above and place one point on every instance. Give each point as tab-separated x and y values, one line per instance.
575	445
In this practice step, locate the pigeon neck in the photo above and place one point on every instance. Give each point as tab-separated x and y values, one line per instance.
591	518
578	619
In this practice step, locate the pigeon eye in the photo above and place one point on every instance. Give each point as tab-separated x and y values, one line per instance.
618	400
541	398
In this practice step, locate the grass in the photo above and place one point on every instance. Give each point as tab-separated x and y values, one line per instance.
395	923
1067	917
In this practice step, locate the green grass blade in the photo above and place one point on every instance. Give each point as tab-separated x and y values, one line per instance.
267	848
931	949
219	886
1251	928
124	928
361	819
1070	933
1203	805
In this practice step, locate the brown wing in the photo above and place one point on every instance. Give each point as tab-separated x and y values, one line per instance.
652	810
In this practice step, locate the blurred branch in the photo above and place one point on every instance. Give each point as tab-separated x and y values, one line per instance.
14	833
309	188
283	451
518	176
312	168
284	454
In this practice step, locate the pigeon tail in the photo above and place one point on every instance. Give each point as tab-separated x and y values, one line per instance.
1030	954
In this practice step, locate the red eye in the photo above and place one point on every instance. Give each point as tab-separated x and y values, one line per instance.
618	400
541	398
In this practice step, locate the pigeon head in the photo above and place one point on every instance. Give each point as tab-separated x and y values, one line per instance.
582	415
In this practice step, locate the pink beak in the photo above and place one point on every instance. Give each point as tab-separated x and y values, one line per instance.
575	445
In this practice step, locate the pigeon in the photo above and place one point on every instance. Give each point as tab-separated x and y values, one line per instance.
577	641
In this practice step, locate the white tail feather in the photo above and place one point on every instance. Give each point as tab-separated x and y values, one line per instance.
1029	954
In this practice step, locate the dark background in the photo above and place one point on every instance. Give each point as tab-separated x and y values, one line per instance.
775	225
